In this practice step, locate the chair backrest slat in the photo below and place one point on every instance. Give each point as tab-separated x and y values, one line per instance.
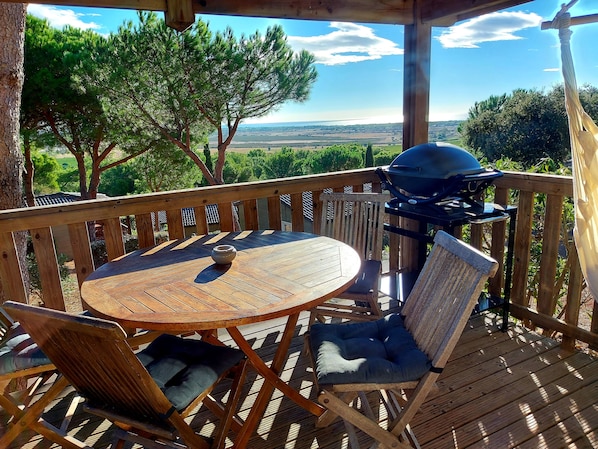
356	219
445	294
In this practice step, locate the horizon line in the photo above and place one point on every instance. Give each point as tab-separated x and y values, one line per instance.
344	122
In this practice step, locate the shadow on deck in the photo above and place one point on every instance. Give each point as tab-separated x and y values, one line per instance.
500	390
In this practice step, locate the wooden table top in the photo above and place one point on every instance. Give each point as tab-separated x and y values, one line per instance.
176	286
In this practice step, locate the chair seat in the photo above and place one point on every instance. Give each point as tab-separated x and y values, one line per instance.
18	351
368	278
184	368
380	351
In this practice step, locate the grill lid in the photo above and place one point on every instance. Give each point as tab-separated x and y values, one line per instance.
436	161
430	172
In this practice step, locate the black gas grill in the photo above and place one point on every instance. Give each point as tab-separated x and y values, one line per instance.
439	185
433	173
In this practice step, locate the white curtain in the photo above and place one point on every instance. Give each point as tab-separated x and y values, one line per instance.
584	152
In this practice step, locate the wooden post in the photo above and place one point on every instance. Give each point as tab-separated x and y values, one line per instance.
416	84
179	14
416	106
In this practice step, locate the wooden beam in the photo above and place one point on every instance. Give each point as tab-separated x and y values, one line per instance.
581	20
398	12
448	12
388	11
146	5
553	324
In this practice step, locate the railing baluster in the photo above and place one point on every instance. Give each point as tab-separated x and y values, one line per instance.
11	277
499	238
297	216
201	220
113	237
145	229
573	306
523	243
317	210
225	211
274	214
47	266
174	220
550	252
79	235
250	214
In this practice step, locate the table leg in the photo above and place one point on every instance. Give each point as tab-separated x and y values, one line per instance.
272	378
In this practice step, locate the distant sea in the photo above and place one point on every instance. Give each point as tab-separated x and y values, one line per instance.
349	122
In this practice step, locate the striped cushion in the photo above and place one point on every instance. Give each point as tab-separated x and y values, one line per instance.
18	351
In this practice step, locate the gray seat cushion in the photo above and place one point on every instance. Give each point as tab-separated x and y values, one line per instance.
380	351
18	351
184	368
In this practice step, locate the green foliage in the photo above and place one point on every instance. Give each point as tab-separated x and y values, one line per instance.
148	87
68	180
527	126
66	162
385	156
337	158
369	156
282	164
119	180
237	168
58	96
257	159
164	168
185	85
46	173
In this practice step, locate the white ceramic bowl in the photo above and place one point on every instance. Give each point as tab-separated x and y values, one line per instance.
224	254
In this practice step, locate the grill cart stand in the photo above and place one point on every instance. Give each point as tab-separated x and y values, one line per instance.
450	216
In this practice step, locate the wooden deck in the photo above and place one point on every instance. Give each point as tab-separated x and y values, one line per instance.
500	390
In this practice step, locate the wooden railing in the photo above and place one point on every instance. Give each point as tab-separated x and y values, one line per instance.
250	199
554	307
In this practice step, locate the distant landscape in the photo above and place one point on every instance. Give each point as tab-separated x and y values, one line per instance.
320	134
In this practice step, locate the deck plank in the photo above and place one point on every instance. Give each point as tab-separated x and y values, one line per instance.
499	390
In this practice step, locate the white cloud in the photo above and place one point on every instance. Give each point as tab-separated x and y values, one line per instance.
59	18
498	26
555	69
349	43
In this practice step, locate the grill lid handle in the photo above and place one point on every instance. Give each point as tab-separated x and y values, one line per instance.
406	167
387	185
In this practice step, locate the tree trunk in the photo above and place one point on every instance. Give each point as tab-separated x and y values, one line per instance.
12	36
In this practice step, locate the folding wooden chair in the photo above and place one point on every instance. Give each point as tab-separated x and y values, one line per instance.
147	394
397	360
25	369
358	220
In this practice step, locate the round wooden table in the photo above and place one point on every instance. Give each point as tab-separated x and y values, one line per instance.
176	287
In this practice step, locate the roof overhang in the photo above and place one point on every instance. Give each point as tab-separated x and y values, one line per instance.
398	12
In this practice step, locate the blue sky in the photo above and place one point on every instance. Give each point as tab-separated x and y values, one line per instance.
360	66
